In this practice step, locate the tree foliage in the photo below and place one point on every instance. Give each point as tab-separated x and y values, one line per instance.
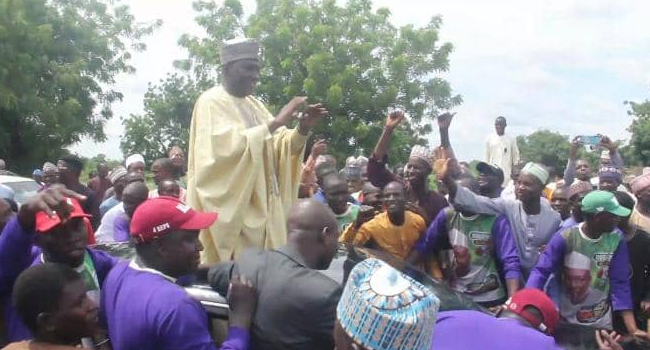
166	119
551	149
349	57
638	149
57	61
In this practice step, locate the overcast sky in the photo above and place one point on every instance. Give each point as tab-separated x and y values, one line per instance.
564	65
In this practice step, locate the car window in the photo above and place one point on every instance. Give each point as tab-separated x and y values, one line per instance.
23	189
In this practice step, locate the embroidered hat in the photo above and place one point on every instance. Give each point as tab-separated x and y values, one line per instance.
45	223
600	201
580	187
382	309
239	49
539	300
423	153
537	171
158	216
117	173
611	172
640	183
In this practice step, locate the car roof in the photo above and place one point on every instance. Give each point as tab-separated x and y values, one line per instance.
9	178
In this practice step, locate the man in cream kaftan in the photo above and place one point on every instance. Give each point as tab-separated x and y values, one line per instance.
243	163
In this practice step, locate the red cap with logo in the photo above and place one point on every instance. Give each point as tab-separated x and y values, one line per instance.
539	300
45	223
156	217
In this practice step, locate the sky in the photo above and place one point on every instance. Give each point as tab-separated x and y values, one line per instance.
562	65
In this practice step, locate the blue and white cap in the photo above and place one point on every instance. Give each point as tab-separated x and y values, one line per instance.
383	309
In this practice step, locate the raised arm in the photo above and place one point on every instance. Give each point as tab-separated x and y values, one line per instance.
466	198
570	170
393	120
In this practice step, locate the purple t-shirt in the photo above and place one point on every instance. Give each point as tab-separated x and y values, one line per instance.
144	310
473	330
17	253
600	271
506	250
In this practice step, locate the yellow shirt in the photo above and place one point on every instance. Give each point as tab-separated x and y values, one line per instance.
237	168
396	240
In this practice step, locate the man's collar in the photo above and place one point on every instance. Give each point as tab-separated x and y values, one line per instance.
292	254
139	265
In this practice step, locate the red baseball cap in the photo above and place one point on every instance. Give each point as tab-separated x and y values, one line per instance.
45	223
539	300
156	217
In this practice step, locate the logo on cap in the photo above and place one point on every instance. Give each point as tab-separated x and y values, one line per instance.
161	227
184	208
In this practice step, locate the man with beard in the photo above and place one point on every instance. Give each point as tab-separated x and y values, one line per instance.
594	260
395	231
416	173
242	161
296	303
531	218
481	252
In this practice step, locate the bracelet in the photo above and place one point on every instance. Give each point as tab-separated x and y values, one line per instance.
101	343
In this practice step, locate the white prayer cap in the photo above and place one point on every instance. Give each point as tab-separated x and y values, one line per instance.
239	49
578	261
133	159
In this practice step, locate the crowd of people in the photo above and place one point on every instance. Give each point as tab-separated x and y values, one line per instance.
252	215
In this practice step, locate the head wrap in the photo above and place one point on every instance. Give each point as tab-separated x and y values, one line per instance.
640	183
610	172
133	159
117	173
382	309
239	49
537	171
423	153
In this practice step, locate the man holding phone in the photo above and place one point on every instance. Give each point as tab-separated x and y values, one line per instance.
580	170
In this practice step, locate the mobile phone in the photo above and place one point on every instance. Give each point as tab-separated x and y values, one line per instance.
590	140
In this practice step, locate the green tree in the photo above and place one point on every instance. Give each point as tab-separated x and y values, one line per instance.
349	57
166	119
90	164
545	147
638	149
58	60
551	149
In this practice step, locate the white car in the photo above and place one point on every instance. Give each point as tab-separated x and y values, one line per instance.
23	187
